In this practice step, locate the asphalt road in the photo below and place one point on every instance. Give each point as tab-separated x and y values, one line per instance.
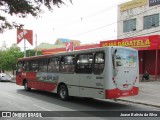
15	98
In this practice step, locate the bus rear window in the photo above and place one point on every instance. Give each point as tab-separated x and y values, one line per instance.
126	58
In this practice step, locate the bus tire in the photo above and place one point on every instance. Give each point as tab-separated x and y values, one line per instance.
63	92
26	86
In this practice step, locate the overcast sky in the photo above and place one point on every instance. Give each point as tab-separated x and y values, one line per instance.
89	21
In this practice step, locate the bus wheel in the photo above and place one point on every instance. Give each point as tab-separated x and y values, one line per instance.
63	92
26	86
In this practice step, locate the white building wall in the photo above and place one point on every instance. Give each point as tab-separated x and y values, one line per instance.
137	13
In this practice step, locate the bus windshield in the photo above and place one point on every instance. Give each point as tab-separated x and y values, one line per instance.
125	58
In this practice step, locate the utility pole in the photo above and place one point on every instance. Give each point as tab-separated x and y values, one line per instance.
24	44
36	44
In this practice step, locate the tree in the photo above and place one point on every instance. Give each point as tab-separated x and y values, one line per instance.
32	53
8	58
4	45
22	8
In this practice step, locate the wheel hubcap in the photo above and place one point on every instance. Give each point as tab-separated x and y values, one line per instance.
25	85
63	93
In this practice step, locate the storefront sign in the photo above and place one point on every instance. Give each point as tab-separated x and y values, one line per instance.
146	42
154	2
133	4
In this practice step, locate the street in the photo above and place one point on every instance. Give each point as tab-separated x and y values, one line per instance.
15	98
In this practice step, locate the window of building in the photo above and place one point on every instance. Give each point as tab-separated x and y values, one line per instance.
84	63
129	25
151	21
98	66
53	65
67	64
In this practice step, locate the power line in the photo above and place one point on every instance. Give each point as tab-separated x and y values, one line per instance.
107	25
91	15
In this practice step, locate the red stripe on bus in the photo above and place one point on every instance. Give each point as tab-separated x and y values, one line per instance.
116	93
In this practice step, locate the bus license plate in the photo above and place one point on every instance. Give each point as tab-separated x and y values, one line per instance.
125	85
125	93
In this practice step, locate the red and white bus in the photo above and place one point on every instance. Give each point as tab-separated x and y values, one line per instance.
105	73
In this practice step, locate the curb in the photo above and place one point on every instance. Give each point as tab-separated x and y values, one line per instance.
13	80
138	102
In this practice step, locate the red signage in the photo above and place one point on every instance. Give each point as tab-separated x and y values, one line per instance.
25	34
69	46
140	43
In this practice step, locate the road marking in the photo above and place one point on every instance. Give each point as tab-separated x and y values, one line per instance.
41	107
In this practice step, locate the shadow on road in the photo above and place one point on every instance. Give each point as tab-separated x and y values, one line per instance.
76	103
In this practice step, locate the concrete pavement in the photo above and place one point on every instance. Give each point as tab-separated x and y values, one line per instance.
149	94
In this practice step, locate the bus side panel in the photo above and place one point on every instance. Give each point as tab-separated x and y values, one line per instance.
40	85
20	77
19	80
72	82
31	78
50	87
91	85
108	71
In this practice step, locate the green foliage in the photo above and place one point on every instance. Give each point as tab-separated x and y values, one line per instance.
8	57
32	53
22	8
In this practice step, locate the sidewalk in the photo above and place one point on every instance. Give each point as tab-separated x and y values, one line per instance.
149	94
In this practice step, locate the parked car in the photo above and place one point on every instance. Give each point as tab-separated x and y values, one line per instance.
5	77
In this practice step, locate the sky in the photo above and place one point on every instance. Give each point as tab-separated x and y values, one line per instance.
89	21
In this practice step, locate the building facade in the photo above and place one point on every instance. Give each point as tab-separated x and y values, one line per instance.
138	18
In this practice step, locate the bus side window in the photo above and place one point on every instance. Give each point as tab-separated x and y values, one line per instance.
26	66
98	66
19	67
42	66
84	63
33	65
67	64
53	65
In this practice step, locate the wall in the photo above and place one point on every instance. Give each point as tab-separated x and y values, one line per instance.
137	13
149	61
141	59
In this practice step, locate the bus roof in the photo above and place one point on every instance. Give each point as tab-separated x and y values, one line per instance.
72	52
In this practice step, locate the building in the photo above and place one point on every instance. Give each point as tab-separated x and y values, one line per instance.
58	45
63	41
138	21
138	18
80	47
